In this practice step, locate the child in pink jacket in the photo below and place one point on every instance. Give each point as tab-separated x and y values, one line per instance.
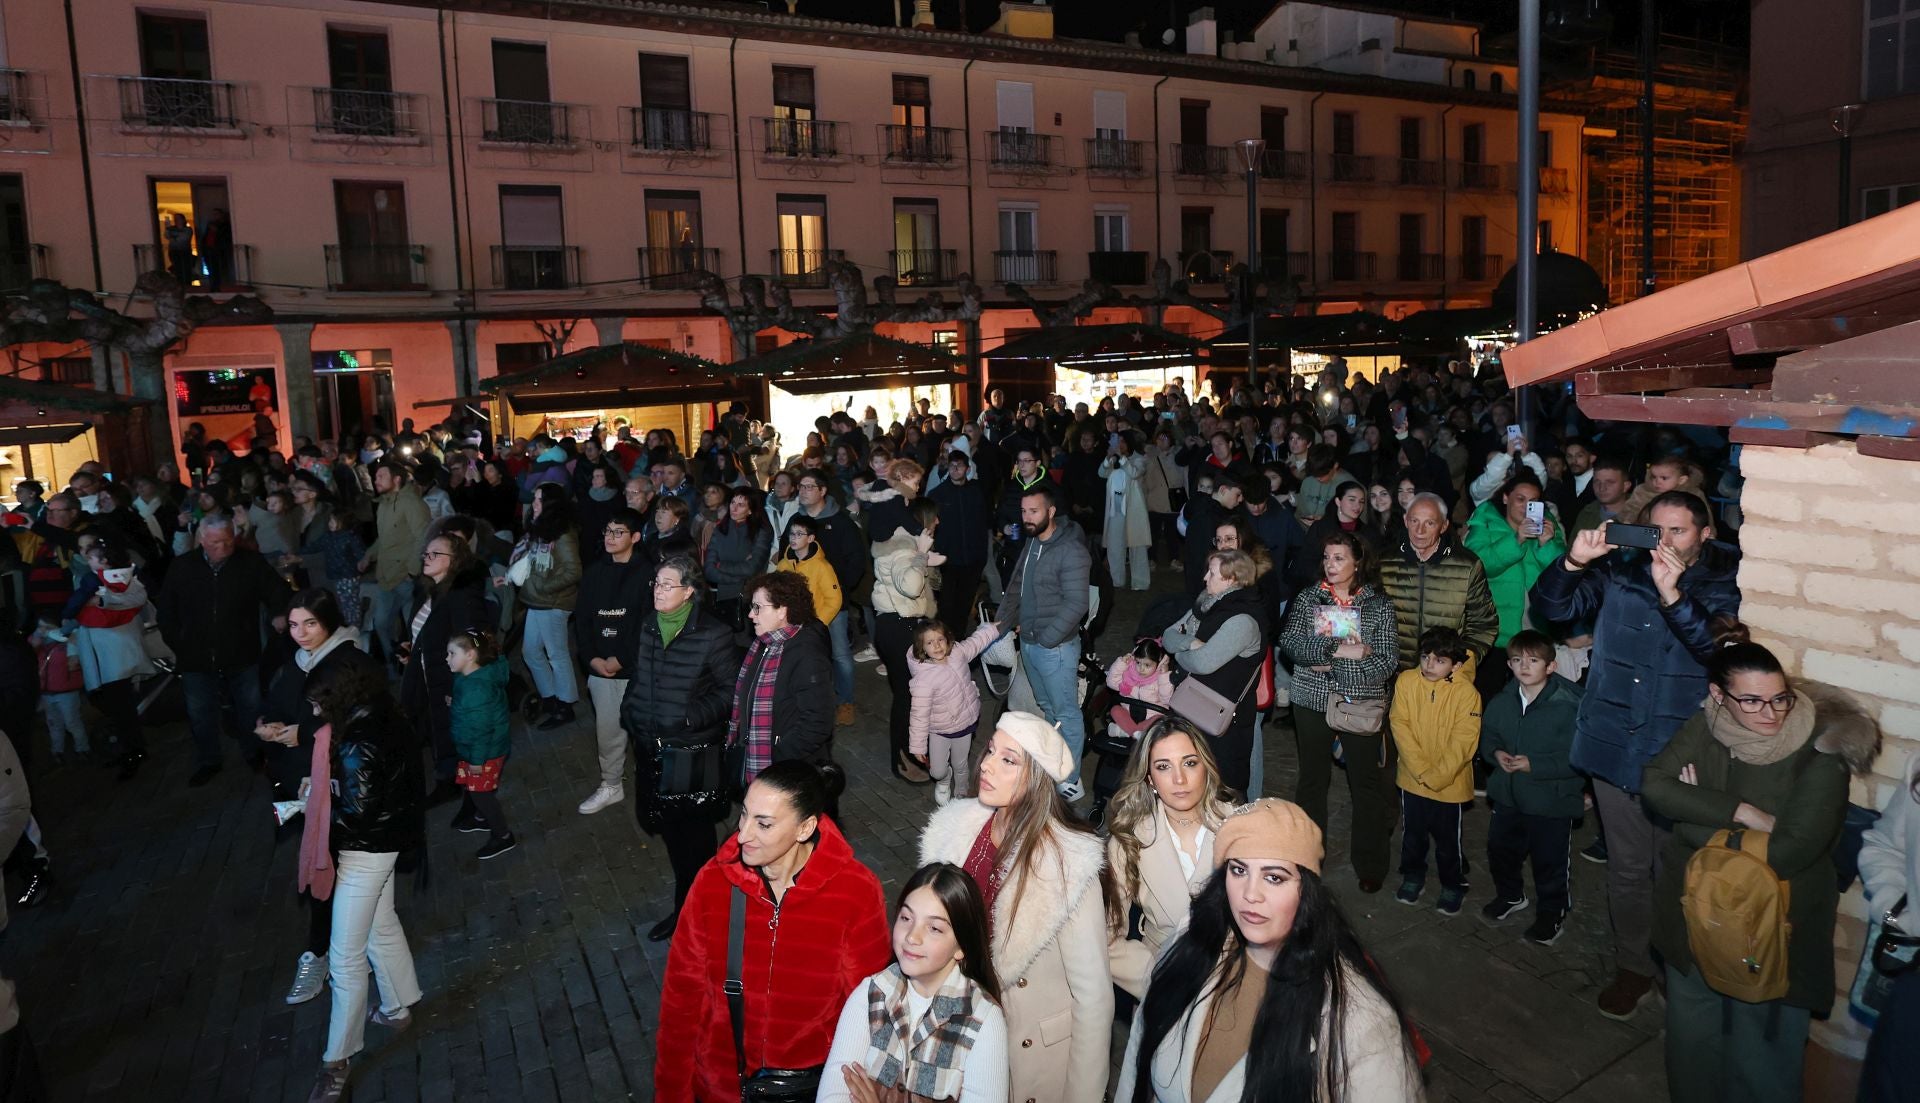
946	703
1143	675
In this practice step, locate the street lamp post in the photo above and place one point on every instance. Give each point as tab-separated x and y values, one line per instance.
1252	152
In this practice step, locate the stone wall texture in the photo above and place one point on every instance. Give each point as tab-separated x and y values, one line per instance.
1830	580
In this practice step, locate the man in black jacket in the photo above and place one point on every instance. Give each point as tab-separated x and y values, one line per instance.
612	599
210	611
963	538
846	550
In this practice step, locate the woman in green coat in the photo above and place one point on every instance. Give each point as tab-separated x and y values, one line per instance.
1514	554
1770	757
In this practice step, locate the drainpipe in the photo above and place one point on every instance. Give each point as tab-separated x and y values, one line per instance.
1443	203
1158	244
739	187
1313	192
86	154
456	192
976	365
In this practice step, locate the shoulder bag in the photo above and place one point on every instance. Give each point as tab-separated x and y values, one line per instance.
767	1085
1205	708
1344	714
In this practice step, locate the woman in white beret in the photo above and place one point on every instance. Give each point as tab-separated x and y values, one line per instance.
1039	869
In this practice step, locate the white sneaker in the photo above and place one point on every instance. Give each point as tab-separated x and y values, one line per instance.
942	791
309	978
866	655
1072	791
602	798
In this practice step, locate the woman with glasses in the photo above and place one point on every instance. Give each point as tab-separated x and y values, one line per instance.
454	582
679	698
1774	761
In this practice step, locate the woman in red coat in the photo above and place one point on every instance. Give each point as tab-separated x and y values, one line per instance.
807	941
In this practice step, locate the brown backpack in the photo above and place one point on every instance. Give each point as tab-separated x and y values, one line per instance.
1736	913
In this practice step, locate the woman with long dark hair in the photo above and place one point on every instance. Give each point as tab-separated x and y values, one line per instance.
1268	994
453	583
738	550
929	1024
546	567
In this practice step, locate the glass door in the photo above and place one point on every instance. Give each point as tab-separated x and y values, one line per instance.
352	391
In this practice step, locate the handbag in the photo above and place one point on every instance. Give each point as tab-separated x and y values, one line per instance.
1344	714
1207	709
689	765
767	1085
1895	952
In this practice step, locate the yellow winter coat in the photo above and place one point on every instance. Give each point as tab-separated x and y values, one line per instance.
1436	732
820	579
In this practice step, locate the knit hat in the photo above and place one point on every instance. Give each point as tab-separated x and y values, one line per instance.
1040	740
1269	828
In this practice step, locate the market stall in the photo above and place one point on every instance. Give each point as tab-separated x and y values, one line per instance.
650	387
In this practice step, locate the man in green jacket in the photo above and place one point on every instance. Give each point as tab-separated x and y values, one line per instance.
1435	583
400	523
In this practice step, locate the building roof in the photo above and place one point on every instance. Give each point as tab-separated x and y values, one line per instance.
610	377
858	361
1818	339
1073	345
32	400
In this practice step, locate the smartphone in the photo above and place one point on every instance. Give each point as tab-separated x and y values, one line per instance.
1633	536
1536	518
1166	415
1513	435
1353	422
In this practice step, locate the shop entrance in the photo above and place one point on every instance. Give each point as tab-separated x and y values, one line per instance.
352	392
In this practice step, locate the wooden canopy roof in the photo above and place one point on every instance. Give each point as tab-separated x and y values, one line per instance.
858	361
624	374
1114	344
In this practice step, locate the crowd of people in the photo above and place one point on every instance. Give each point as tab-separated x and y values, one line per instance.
1429	587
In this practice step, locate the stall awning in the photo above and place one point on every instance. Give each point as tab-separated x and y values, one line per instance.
35	395
611	376
857	362
1098	348
1448	326
42	434
1822	337
1356	331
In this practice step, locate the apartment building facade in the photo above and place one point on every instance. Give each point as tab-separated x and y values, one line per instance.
429	195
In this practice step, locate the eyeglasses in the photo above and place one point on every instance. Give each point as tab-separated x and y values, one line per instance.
1780	705
616	530
436	555
663	584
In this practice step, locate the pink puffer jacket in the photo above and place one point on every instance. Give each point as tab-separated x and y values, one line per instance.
945	700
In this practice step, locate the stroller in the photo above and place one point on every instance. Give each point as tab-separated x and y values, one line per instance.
1103	738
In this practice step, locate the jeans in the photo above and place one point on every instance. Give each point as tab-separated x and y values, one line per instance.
366	931
547	649
238	690
842	657
62	712
1633	865
606	694
386	615
1054	674
1722	1050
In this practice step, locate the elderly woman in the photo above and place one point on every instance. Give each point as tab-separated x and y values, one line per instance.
783	696
1160	831
1038	866
1341	637
453	582
1772	763
1223	642
1128	535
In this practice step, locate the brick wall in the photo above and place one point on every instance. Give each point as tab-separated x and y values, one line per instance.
1830	580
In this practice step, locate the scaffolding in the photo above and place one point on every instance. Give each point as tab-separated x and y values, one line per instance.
1700	116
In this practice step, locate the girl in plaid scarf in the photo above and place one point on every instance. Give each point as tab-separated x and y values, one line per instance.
929	1026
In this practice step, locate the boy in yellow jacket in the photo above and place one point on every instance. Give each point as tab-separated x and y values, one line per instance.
1436	731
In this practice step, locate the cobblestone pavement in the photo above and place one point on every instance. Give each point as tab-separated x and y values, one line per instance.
157	968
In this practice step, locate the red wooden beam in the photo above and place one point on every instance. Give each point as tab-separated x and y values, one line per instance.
1670	378
1890	448
1751	410
1779	438
1793	334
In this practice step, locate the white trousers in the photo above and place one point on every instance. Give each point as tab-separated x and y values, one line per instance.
366	932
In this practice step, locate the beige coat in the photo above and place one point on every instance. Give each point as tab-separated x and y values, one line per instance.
1164	898
902	581
1379	1068
1051	958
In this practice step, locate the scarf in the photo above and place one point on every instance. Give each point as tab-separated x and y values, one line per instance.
753	700
602	493
925	1056
1753	748
316	855
672	623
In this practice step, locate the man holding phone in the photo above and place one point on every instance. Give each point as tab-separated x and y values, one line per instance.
1653	633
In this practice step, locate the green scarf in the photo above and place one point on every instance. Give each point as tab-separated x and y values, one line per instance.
672	623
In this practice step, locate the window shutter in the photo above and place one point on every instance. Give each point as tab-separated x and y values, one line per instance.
1015	101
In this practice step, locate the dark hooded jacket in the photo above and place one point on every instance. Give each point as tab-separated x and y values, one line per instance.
379	788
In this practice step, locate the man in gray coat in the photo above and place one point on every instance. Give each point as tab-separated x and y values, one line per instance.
1046	603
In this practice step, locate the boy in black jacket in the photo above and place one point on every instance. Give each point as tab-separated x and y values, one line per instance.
1526	735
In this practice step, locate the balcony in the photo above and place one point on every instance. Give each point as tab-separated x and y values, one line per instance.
1419	174
376	267
1116	157
802	139
1419	267
1553	181
203	273
1206	265
536	267
1480	176
164	103
925	267
24	264
1024	266
1481	268
1021	151
16	106
804	267
1351	168
669	130
526	123
1117	269
1285	266
1284	164
1350	267
352	113
917	145
676	268
1193	160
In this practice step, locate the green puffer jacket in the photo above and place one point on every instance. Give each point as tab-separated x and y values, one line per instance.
1511	565
1806	793
1550	786
1449	590
480	714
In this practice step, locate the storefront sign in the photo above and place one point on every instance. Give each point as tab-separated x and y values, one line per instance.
200	393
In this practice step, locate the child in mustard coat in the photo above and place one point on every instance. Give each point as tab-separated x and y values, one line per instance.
1436	731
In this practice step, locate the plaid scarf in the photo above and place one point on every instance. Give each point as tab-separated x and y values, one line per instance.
753	699
925	1057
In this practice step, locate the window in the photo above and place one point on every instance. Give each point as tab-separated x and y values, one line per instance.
1496	82
374	253
912	101
359	96
1110	115
1345	262
666	105
1474	263
791	131
1543	239
1196	232
1473	143
352	389
1467	80
177	68
16	252
517	356
1875	201
674	250
532	238
1110	231
192	232
521	109
1546	149
1273	128
1413	240
917	259
74	371
1892	49
1275	236
1410	139
1013	101
802	231
1018	260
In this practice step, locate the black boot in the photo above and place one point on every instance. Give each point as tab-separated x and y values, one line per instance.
468	819
559	716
